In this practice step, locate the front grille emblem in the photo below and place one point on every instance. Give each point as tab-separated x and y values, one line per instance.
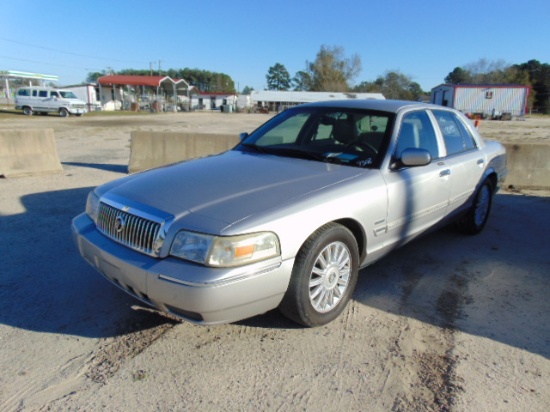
120	223
132	230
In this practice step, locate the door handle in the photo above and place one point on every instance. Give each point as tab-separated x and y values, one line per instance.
480	162
446	172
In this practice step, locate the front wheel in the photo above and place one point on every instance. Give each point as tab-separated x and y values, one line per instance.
476	218
323	278
63	112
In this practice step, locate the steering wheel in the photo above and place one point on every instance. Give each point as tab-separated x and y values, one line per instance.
363	146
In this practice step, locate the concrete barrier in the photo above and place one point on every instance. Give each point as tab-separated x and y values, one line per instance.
28	152
152	149
528	165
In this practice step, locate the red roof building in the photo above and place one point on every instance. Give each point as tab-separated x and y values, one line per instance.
149	81
114	97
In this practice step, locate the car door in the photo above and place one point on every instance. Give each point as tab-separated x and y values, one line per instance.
53	101
463	159
44	101
417	196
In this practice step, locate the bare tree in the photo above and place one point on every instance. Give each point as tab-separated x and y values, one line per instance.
332	71
488	71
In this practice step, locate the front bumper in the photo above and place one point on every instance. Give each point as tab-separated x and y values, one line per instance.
72	110
193	292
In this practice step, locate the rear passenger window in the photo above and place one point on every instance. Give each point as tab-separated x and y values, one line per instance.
456	135
43	93
23	92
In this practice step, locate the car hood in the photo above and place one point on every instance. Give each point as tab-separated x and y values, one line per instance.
229	187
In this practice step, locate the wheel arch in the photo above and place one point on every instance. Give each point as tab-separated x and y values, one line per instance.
358	233
353	226
492	177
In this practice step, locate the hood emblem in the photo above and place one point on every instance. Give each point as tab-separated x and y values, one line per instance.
120	223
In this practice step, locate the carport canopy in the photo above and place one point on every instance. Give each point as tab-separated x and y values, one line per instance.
167	84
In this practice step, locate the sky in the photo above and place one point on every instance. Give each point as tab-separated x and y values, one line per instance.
423	39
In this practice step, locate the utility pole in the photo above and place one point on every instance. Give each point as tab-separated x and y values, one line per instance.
159	69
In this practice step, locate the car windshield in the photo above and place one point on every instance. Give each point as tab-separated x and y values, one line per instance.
67	95
336	135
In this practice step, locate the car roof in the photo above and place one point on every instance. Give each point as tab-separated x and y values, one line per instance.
393	106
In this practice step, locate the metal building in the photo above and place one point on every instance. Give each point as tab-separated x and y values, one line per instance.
484	100
277	100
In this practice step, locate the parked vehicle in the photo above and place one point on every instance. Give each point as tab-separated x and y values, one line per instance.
288	217
46	100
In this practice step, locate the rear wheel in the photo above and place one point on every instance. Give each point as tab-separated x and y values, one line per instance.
63	112
27	110
323	278
476	218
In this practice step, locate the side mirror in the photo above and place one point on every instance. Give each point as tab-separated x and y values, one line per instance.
243	136
415	157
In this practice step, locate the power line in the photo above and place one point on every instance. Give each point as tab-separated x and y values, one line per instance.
68	52
48	64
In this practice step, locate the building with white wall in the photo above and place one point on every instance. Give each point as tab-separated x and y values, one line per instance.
485	100
212	101
280	100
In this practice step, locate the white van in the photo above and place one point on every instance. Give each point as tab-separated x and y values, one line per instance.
46	100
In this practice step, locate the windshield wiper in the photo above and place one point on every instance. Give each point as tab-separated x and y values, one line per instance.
300	154
259	149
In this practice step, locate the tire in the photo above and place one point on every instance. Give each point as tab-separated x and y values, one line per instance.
27	110
323	277
474	221
63	112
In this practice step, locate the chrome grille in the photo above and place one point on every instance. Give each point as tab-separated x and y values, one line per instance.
133	231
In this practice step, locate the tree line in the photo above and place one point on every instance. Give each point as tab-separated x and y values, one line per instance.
333	71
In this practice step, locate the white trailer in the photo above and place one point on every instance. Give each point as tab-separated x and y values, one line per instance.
87	92
484	100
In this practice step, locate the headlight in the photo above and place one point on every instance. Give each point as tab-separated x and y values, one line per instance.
92	205
225	251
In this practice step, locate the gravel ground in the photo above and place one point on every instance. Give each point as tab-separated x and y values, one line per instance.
447	323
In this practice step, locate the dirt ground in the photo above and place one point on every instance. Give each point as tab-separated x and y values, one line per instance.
447	323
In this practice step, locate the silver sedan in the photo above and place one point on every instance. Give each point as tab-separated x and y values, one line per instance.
288	217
